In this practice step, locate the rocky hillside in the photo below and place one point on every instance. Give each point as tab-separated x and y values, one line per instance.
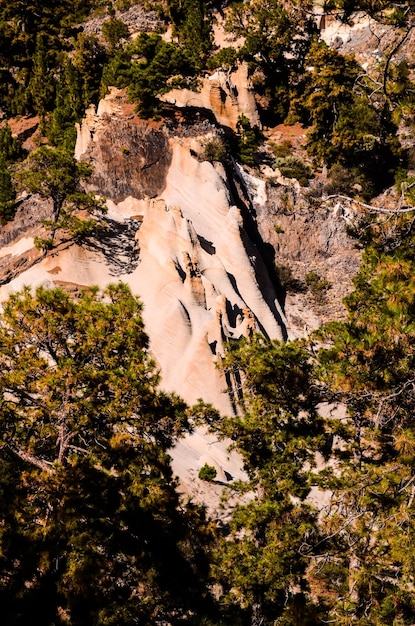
195	240
247	171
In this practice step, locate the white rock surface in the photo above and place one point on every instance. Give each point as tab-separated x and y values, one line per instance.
186	255
199	283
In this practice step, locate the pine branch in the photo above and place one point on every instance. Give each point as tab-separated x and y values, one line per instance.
29	458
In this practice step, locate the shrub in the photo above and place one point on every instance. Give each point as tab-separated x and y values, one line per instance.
293	167
283	149
315	283
207	472
225	57
341	180
248	140
114	31
215	150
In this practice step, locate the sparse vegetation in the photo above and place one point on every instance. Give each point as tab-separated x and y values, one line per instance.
281	150
207	472
248	139
215	149
316	283
293	167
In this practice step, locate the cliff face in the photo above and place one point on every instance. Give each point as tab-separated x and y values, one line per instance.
227	94
176	235
198	281
195	241
130	156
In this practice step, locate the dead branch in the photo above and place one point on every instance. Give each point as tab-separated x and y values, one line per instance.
370	207
391	55
29	458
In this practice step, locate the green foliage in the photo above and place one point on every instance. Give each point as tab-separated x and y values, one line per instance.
405	185
207	472
10	148
358	546
344	180
248	140
114	31
10	152
329	86
89	58
277	433
193	28
276	38
91	528
225	58
281	150
400	87
7	193
315	283
55	174
346	129
41	83
293	167
61	130
35	36
368	362
215	150
149	67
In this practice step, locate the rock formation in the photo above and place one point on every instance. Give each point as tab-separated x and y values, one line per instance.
188	237
177	236
193	240
228	94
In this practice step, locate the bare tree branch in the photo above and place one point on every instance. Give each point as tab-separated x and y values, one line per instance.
371	208
46	466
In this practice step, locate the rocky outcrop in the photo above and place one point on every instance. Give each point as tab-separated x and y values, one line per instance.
176	234
368	40
131	157
306	237
228	94
137	18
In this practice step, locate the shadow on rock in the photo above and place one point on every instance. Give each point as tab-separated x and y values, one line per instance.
117	243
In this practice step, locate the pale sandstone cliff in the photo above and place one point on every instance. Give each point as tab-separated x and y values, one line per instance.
188	237
176	237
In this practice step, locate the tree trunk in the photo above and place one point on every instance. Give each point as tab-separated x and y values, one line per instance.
257	617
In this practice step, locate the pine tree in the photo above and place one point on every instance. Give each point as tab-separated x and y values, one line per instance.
91	530
114	32
55	174
10	148
7	192
366	560
259	562
41	85
193	29
10	151
69	107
